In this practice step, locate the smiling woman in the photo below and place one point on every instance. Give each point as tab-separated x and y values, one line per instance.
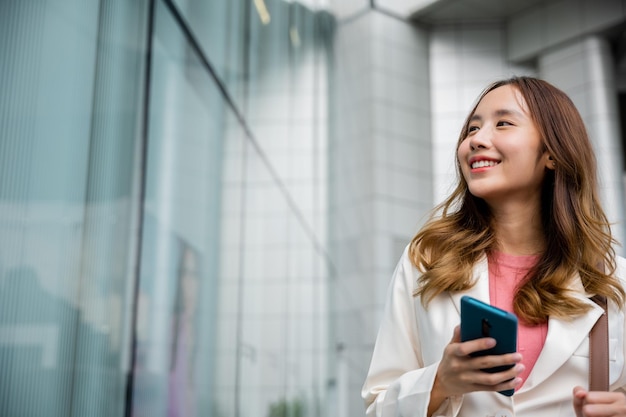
523	231
502	157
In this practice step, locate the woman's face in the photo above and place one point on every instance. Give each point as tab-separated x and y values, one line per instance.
500	157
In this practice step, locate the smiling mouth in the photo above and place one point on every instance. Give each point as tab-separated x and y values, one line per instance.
483	164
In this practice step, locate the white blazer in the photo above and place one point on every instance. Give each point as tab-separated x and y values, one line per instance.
411	340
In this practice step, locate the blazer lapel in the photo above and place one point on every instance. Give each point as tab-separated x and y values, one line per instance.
480	290
563	339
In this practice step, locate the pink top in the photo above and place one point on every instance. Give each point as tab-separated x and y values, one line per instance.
505	273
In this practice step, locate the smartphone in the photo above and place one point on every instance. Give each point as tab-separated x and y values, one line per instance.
479	319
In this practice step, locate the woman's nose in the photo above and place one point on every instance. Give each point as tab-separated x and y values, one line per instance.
480	139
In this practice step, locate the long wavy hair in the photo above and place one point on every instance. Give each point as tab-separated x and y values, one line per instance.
577	233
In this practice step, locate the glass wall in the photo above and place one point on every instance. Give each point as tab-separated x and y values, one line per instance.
70	76
163	209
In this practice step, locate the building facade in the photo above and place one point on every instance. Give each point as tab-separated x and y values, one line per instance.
202	202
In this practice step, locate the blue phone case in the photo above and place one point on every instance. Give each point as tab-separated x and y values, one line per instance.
479	319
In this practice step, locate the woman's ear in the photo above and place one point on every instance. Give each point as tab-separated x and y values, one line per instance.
550	162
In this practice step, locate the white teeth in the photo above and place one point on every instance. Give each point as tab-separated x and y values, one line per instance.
483	163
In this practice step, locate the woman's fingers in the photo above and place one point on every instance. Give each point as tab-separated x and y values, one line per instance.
471	346
495	361
497	385
598	403
579	399
459	372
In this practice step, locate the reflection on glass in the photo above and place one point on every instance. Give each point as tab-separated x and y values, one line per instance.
230	264
68	116
235	219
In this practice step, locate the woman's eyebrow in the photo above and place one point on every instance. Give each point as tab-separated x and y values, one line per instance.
498	113
508	112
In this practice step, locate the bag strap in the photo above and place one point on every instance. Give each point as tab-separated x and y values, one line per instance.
599	349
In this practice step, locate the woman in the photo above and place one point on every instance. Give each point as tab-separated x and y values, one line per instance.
524	231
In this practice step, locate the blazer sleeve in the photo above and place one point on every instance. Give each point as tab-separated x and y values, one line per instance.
398	383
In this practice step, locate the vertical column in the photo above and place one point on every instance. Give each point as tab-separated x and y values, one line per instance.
380	177
351	180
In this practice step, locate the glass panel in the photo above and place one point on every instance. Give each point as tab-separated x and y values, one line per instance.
177	298
235	219
282	345
68	138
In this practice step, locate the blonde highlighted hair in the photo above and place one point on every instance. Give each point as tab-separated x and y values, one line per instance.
577	233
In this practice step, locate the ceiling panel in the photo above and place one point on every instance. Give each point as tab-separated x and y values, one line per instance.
450	11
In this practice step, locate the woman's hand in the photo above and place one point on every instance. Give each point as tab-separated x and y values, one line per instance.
599	403
459	373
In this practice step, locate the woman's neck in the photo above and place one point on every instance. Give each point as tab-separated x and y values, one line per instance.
519	230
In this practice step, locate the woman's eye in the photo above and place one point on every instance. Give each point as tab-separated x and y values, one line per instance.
472	129
504	123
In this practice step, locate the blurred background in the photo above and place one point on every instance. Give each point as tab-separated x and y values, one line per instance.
202	201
